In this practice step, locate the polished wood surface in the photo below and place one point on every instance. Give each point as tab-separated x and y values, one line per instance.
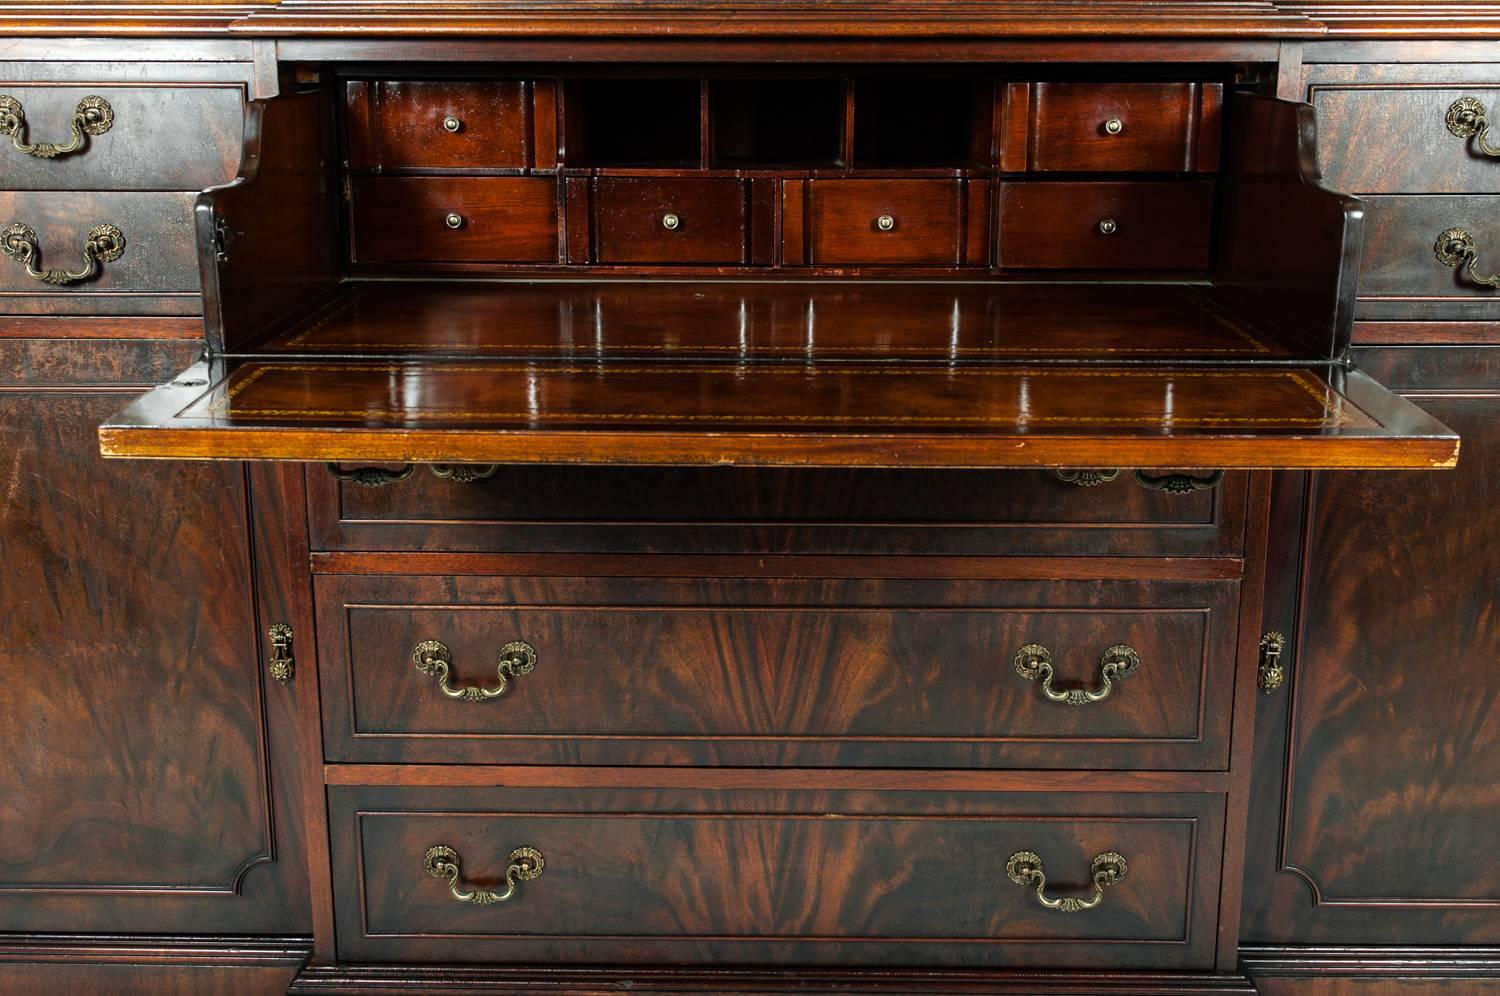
139	779
715	877
969	416
731	510
1163	127
843	221
407	219
162	137
898	674
397	124
1105	226
630	220
845	320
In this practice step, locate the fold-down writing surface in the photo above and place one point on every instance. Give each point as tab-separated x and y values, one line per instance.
831	320
779	415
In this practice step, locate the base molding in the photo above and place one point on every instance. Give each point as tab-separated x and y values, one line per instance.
356	980
1372	970
49	964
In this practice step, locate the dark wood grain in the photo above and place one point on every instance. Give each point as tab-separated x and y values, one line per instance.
1152	226
712	215
728	510
400	124
1401	276
898	674
696	876
842	214
502	219
162	137
1391	572
1166	127
487	412
44	964
139	784
161	256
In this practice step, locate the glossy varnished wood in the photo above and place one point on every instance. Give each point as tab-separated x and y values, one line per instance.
1060	127
400	124
727	510
712	220
407	219
842	219
909	673
898	878
1105	226
138	722
163	137
822	416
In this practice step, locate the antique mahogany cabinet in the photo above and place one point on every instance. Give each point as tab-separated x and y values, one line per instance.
703	496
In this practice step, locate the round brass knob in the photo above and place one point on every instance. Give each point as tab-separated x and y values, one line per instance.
454	220
450	123
1114	126
671	222
885	223
1108	227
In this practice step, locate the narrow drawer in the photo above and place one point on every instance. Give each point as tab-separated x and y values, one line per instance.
912	222
736	510
1401	276
158	137
1396	140
160	248
437	125
669	220
1112	127
715	876
777	671
1106	226
510	219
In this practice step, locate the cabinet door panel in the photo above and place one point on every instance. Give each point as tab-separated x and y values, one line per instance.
1389	795
141	747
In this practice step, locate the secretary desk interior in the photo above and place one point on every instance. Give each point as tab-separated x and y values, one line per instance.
803	511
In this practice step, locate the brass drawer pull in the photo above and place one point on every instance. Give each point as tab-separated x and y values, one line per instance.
1114	126
379	477
1025	869
1456	248
526	864
433	657
1467	119
886	223
1087	478
92	116
1179	484
1034	661
671	222
105	244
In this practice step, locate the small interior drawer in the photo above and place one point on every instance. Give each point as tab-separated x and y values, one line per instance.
157	137
927	672
687	220
510	219
1112	127
716	876
912	222
1106	226
436	125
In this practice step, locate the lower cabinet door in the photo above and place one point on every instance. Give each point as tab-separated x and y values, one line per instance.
619	875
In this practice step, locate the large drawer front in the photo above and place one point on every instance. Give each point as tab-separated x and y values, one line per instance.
160	255
561	509
159	137
790	877
777	671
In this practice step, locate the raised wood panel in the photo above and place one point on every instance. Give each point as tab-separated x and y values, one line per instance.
695	876
1388	799
1401	276
1376	139
779	671
138	787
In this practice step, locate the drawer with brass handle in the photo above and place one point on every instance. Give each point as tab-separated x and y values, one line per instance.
634	874
1429	257
677	220
794	671
78	250
1111	127
1392	139
897	222
138	137
429	219
1134	225
443	124
1075	512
